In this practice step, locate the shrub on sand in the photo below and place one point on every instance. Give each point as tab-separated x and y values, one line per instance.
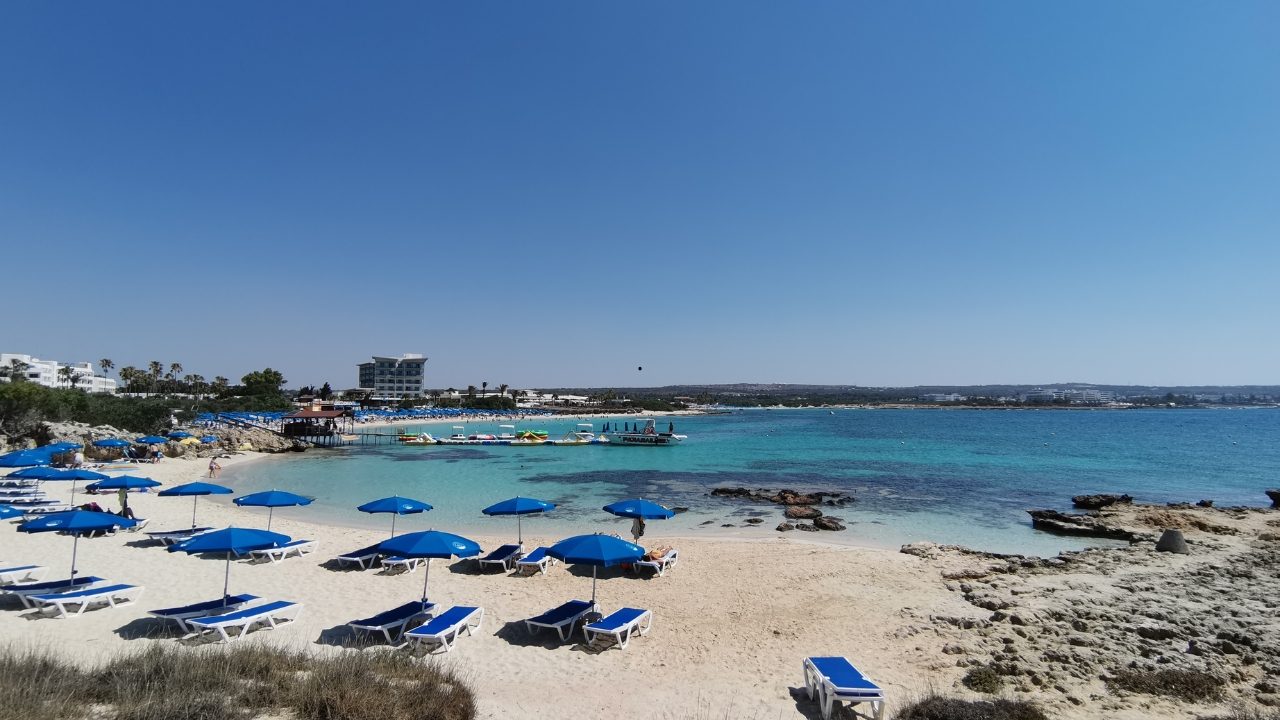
983	679
168	682
940	707
1188	685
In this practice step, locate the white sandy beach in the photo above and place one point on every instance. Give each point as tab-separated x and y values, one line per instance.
732	621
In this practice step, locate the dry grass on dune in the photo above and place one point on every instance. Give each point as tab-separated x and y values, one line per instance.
237	683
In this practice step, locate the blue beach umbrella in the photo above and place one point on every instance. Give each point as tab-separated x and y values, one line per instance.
209	439
73	476
25	458
9	511
519	506
59	447
272	499
75	523
637	508
429	544
152	440
111	443
40	472
395	505
597	551
232	540
125	482
180	435
195	490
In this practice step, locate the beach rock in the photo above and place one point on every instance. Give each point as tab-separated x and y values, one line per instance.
1205	504
679	509
754	521
1172	541
806	527
784	527
802	512
783	497
827	522
1077	525
1275	498
1097	502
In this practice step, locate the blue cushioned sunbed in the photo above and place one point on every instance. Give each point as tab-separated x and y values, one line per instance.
202	609
561	619
835	679
444	629
393	621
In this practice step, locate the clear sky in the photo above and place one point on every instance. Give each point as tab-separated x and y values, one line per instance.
557	193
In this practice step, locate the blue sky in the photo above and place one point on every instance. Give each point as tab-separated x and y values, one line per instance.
547	194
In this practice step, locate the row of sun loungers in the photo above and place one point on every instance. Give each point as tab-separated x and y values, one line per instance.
507	557
21	573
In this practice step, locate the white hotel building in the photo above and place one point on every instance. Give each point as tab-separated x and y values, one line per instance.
394	378
47	373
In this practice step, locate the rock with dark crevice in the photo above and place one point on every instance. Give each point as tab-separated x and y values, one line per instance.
1078	525
826	522
784	527
1097	502
1275	498
802	512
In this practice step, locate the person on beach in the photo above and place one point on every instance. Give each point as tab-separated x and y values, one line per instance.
77	460
214	467
156	454
637	529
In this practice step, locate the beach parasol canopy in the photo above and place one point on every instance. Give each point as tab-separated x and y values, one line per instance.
59	447
597	551
232	540
180	435
152	440
9	511
195	490
125	482
209	439
519	506
429	544
111	443
637	508
74	476
272	499
40	472
395	505
25	458
75	523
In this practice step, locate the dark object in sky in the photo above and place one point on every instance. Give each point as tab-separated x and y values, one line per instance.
640	368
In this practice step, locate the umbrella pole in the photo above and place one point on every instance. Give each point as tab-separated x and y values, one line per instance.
393	524
593	584
194	499
226	579
270	512
73	492
75	541
519	529
425	577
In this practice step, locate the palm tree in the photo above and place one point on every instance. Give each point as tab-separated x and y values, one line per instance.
67	374
484	387
471	391
129	375
198	385
502	390
18	370
155	368
220	384
106	364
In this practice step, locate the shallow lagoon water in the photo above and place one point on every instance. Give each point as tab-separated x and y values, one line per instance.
951	476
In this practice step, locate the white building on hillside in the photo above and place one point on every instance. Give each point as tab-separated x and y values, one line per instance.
49	373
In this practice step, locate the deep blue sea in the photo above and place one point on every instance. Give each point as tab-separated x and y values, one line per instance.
951	476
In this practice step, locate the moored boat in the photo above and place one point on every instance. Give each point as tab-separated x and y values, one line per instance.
647	436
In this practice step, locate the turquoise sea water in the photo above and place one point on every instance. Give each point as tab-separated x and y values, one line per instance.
952	476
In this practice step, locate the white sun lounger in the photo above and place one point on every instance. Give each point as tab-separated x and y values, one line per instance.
561	619
276	554
205	609
834	679
535	562
661	565
503	557
170	537
25	591
444	629
619	627
364	557
107	595
393	621
21	573
270	616
395	562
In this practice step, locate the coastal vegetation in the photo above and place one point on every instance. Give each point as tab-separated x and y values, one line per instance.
1188	685
164	682
941	707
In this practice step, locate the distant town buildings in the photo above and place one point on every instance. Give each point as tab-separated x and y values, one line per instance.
50	373
394	377
942	397
1075	396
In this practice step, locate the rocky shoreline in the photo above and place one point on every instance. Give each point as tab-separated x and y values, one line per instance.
1078	628
230	440
798	506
